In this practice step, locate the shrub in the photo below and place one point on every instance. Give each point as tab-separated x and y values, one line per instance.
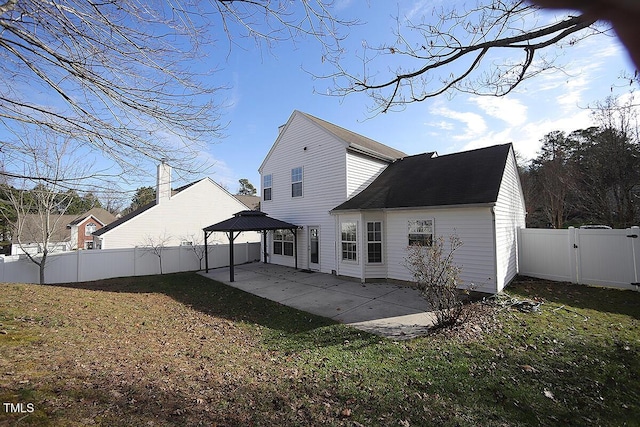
437	278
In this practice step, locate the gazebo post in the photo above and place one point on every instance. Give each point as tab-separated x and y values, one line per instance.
231	271
295	246
264	239
206	253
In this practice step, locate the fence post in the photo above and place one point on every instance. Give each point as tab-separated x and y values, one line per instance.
78	265
634	234
135	260
574	259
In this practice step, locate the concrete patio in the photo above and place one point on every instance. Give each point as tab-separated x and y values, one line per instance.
393	311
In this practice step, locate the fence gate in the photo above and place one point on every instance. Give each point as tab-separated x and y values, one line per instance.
586	256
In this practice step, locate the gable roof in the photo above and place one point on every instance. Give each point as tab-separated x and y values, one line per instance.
469	177
150	205
138	211
102	215
356	141
353	141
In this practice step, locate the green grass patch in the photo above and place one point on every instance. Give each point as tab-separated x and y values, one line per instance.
184	350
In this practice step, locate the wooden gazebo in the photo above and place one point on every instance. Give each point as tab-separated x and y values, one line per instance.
248	221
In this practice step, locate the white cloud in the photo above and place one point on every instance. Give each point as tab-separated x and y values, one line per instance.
474	123
509	110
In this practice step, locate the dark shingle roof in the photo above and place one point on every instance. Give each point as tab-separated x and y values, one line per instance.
357	141
250	221
469	177
124	218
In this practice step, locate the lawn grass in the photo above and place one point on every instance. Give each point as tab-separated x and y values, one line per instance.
184	350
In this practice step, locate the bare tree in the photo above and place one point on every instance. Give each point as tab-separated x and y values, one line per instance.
121	76
155	245
38	205
486	47
196	244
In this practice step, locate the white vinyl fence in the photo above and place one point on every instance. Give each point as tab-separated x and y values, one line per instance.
586	256
87	265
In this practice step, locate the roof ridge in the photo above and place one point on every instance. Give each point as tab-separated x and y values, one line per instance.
367	143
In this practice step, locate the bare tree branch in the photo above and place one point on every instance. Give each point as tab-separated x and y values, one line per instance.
126	77
460	49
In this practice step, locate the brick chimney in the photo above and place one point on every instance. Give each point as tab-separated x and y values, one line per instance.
163	187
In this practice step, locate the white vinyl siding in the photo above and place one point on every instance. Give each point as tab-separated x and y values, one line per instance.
303	143
474	226
509	215
180	218
361	171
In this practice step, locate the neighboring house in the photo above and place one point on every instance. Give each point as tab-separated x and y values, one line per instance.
253	202
176	217
83	227
69	232
361	204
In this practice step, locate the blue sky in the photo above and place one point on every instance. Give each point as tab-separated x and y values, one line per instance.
266	86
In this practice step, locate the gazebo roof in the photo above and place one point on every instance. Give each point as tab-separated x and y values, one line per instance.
250	221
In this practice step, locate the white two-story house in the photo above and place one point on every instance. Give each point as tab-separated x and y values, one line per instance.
360	204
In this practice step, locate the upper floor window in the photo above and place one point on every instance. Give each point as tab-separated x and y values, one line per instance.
420	232
374	241
266	187
296	182
89	229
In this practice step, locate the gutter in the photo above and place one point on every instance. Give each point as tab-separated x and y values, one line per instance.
412	208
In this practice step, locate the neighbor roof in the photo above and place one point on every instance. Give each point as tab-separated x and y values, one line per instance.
32	229
124	219
469	177
101	214
357	141
252	202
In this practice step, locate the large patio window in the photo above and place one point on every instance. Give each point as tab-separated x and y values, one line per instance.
349	237
374	242
283	242
420	232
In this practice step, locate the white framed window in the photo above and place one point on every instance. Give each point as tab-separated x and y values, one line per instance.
283	242
349	241
89	229
296	182
420	232
374	241
266	187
